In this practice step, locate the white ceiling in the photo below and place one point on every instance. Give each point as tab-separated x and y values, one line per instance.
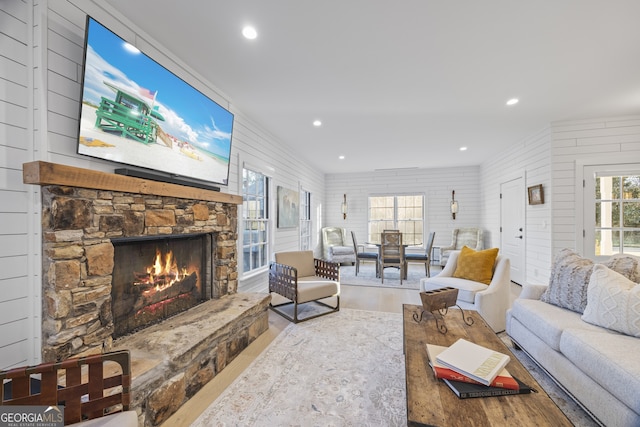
405	83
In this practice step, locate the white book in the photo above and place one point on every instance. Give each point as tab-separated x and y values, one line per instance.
473	360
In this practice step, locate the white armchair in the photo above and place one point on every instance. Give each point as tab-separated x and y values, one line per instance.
336	246
460	237
490	301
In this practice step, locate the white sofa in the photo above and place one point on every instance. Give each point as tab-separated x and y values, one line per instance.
599	367
490	301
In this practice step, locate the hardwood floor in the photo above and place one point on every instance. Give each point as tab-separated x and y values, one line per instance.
355	297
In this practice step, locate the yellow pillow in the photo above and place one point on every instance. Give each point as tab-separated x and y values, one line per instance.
476	265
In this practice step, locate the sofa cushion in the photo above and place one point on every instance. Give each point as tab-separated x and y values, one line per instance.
609	358
613	301
476	265
547	321
570	274
467	289
627	265
569	279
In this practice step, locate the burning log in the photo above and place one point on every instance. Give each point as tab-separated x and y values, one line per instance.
153	294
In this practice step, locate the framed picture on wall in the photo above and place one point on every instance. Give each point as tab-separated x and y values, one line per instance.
536	195
288	208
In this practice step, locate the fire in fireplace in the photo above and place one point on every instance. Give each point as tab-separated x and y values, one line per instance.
157	277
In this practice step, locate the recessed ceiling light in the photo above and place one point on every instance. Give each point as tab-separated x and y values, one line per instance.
512	101
341	157
463	148
249	32
317	123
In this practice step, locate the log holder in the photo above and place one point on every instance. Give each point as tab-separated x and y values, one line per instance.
437	302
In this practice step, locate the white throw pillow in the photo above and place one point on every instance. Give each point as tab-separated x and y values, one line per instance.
613	301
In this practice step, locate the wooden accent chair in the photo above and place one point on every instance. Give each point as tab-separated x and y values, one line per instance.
424	258
301	278
363	256
89	387
391	253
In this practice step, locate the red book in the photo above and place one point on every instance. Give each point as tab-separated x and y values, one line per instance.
503	380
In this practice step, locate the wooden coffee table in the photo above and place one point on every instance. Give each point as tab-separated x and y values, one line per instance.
431	403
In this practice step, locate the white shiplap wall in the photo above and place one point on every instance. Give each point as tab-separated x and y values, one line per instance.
530	160
19	258
610	140
41	53
435	184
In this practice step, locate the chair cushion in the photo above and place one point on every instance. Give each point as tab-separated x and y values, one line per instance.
613	301
341	250
301	260
316	289
368	255
333	237
416	257
476	265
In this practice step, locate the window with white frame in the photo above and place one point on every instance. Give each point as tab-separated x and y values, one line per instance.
397	212
612	210
255	218
305	220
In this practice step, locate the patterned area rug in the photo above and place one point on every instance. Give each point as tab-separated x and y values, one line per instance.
367	276
344	369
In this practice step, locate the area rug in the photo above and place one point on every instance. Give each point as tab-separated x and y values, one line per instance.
344	369
367	276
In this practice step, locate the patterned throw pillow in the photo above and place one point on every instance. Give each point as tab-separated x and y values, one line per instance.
570	274
626	265
476	265
613	302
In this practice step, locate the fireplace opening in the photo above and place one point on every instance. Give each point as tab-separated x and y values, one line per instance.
157	277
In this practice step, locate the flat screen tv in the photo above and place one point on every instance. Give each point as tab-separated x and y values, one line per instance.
136	112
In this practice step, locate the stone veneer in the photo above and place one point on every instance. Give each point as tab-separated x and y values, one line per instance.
77	225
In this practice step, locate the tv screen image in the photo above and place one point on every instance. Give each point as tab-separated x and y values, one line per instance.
136	112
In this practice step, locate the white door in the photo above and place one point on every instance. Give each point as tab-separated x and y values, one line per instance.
512	205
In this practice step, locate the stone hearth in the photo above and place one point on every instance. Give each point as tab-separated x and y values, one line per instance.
82	210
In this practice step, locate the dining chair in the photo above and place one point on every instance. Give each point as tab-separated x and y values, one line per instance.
391	253
424	257
363	256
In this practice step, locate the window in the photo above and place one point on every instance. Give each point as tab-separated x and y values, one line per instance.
255	216
612	210
305	221
404	213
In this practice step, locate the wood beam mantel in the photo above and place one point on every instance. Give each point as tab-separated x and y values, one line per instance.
45	173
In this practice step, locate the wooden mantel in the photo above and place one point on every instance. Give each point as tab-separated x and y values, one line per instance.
45	173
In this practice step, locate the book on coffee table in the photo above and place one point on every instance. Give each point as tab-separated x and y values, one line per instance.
503	380
467	390
473	360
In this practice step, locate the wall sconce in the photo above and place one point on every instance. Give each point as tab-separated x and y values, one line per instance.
454	205
344	206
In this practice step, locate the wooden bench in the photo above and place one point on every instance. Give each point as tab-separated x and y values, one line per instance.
88	387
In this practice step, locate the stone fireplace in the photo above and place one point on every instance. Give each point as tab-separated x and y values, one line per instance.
155	278
112	248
